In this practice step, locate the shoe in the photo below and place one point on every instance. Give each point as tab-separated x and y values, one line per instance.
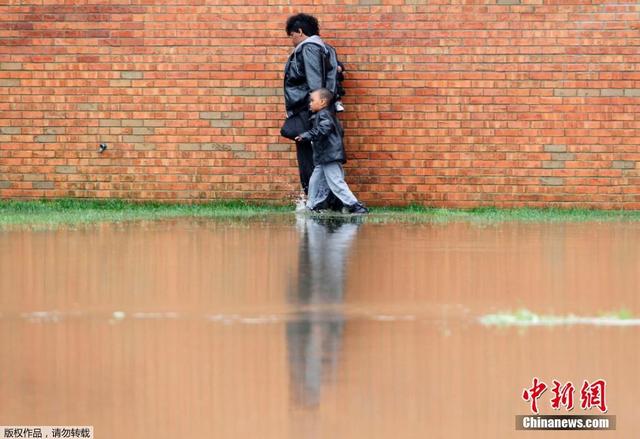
339	107
356	209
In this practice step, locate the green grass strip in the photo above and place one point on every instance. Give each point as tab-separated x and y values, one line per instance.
73	211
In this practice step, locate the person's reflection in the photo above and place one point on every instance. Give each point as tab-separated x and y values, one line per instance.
314	333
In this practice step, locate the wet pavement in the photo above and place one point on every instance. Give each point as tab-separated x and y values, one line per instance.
312	328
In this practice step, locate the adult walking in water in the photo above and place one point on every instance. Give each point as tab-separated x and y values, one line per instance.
309	67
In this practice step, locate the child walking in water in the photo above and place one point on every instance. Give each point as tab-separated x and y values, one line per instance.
328	156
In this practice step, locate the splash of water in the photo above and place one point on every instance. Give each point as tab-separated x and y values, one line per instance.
301	203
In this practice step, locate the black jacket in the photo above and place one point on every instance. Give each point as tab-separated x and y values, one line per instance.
308	68
326	137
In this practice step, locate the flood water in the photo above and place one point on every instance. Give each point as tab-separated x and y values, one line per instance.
310	328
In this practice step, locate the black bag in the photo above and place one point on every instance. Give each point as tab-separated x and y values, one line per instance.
296	124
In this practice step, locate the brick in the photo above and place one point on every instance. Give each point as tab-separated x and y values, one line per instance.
119	83
553	164
214	147
10	66
33	177
588	92
133	139
632	92
232	115
189	147
257	91
45	139
131	75
623	164
143	130
244	154
211	147
611	92
11	130
279	147
54	130
154	123
216	115
369	2
144	147
565	92
563	156
42	185
551	181
508	2
204	147
110	122
88	107
5	184
9	82
66	169
220	123
210	115
555	148
132	123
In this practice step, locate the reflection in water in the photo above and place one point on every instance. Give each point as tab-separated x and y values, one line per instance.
313	339
184	328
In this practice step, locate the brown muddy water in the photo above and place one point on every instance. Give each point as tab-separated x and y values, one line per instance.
306	328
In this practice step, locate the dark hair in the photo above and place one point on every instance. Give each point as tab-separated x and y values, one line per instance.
324	94
308	24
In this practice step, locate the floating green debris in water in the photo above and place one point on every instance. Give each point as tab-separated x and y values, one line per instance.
623	314
525	317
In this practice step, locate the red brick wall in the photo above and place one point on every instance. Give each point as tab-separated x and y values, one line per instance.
450	102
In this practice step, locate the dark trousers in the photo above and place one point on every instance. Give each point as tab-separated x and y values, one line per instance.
304	152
